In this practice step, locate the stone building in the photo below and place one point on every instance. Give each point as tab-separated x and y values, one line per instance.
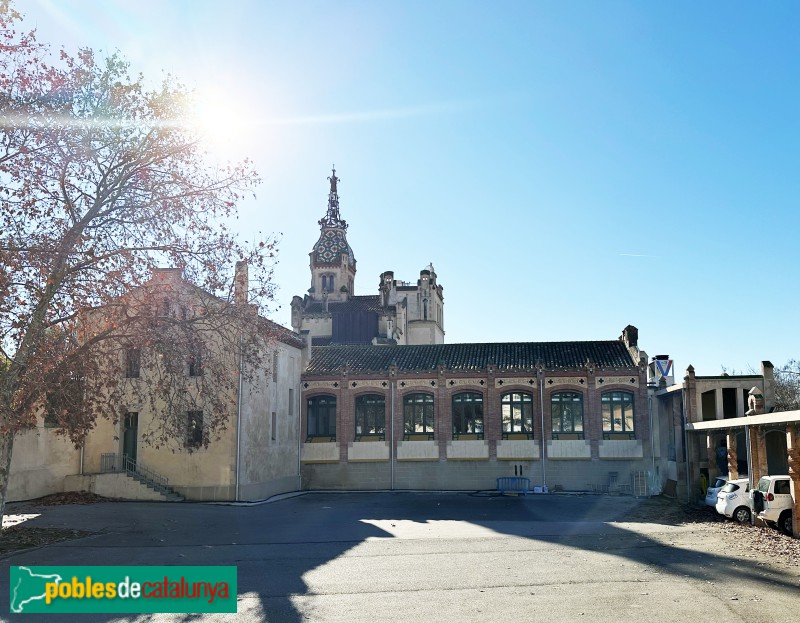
255	455
331	312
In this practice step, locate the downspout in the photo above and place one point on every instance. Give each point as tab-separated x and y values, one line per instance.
299	439
541	410
686	446
391	434
652	436
83	445
749	467
239	417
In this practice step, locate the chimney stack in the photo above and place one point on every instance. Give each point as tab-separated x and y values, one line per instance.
241	283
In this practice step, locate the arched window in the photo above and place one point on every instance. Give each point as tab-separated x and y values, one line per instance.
418	416
324	282
566	409
517	414
330	283
617	410
468	414
370	416
321	418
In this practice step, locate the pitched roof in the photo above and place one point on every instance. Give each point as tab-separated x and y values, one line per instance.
370	303
470	357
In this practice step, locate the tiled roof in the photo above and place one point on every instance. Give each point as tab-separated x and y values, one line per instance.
371	303
469	357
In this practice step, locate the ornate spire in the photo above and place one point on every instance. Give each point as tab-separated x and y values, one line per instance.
332	218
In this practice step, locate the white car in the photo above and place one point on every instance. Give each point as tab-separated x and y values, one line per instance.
733	500
713	490
772	499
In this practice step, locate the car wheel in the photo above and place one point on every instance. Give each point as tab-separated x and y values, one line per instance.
785	522
742	514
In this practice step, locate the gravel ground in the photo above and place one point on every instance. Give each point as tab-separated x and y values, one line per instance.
753	542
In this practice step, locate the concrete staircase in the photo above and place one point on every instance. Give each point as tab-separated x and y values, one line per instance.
146	477
166	491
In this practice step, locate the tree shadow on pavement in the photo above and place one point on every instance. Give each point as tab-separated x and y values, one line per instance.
276	546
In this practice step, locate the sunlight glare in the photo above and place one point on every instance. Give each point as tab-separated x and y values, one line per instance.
222	120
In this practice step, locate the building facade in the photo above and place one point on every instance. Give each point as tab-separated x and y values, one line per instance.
331	313
568	415
254	453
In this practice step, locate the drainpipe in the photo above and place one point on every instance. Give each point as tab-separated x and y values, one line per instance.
391	434
298	404
749	467
686	446
652	437
541	410
83	445
239	417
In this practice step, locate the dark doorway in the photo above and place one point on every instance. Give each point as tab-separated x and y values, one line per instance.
741	454
777	461
708	404
728	402
129	434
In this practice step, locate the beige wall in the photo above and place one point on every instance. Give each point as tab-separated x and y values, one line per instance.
39	462
270	454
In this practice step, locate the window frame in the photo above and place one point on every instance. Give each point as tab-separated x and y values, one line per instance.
623	431
558	430
467	415
322	408
419	403
133	362
194	429
507	400
366	410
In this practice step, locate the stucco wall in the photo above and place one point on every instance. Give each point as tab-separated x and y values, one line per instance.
39	462
568	475
269	446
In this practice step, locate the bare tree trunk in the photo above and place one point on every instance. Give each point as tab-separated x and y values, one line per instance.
6	446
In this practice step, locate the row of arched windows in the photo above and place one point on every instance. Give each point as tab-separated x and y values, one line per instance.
516	410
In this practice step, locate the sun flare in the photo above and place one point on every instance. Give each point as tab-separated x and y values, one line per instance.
222	121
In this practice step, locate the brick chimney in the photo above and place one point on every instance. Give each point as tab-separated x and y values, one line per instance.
241	283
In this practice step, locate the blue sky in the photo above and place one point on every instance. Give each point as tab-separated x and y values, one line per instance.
569	168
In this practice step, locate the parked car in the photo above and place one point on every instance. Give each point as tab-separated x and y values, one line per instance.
713	490
733	500
772	500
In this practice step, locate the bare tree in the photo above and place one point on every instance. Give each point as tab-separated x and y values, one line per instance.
787	386
102	182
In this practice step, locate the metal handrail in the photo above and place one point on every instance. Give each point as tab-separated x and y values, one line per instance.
109	463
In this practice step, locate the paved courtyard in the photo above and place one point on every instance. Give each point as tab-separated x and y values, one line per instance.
435	557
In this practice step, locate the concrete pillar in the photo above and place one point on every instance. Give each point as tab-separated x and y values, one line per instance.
712	458
733	457
740	408
793	452
759	465
718	412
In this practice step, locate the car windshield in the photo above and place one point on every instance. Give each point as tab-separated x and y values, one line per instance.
729	488
763	485
719	482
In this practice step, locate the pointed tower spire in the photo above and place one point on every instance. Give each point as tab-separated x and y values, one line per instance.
332	217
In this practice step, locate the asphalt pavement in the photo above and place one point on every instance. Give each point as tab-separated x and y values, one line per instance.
431	557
